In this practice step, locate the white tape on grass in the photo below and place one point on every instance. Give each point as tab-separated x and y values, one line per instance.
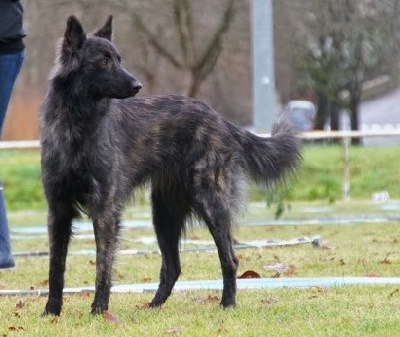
258	283
208	246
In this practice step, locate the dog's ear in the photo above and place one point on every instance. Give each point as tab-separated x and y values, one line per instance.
74	35
105	31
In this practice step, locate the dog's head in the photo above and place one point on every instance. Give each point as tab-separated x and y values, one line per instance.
97	61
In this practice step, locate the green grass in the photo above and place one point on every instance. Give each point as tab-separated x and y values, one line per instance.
319	179
21	176
352	311
356	250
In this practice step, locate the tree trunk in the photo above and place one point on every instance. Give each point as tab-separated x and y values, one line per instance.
334	113
322	113
194	86
354	117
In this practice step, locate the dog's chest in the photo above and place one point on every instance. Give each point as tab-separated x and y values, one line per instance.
69	173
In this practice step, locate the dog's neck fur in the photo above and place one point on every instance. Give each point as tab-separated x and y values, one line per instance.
82	114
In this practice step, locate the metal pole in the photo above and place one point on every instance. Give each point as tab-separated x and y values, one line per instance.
263	65
346	169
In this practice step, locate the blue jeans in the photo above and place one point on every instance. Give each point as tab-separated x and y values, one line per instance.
10	66
6	258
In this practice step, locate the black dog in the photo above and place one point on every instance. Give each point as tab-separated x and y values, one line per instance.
98	145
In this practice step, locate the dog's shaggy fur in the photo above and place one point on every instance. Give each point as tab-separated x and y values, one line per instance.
99	143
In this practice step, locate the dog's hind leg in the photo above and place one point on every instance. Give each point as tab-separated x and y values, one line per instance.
106	231
211	207
59	224
168	219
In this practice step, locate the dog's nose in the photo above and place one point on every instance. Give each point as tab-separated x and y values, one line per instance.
136	85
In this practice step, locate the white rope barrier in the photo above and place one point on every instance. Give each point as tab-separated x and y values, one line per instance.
20	144
383	132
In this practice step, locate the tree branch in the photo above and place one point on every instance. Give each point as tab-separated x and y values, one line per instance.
184	24
155	43
208	59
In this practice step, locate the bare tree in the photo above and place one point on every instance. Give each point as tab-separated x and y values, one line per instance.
199	62
185	54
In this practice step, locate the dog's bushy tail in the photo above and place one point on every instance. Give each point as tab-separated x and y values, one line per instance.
271	160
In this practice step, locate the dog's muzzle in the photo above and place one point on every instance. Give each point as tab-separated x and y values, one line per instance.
136	86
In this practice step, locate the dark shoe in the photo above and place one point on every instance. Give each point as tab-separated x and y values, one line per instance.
7	262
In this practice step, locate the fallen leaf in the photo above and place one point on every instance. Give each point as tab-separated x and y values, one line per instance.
108	317
44	283
143	306
146	279
92	263
17	314
249	274
84	294
15	328
341	262
385	260
20	305
268	300
209	298
174	331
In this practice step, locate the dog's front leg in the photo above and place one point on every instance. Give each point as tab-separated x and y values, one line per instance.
106	230
59	224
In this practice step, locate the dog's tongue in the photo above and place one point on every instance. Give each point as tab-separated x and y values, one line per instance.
108	317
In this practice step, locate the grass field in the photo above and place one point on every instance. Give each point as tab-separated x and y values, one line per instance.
351	250
319	179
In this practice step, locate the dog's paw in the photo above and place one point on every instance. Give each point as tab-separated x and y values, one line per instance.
227	305
153	305
52	308
47	313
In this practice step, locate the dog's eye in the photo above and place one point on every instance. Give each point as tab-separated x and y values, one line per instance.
104	62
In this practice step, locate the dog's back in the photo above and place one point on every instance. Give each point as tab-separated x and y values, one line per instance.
176	140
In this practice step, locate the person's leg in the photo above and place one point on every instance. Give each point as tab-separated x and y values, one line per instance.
10	66
9	69
6	258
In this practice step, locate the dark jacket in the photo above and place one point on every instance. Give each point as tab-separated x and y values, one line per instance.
11	30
